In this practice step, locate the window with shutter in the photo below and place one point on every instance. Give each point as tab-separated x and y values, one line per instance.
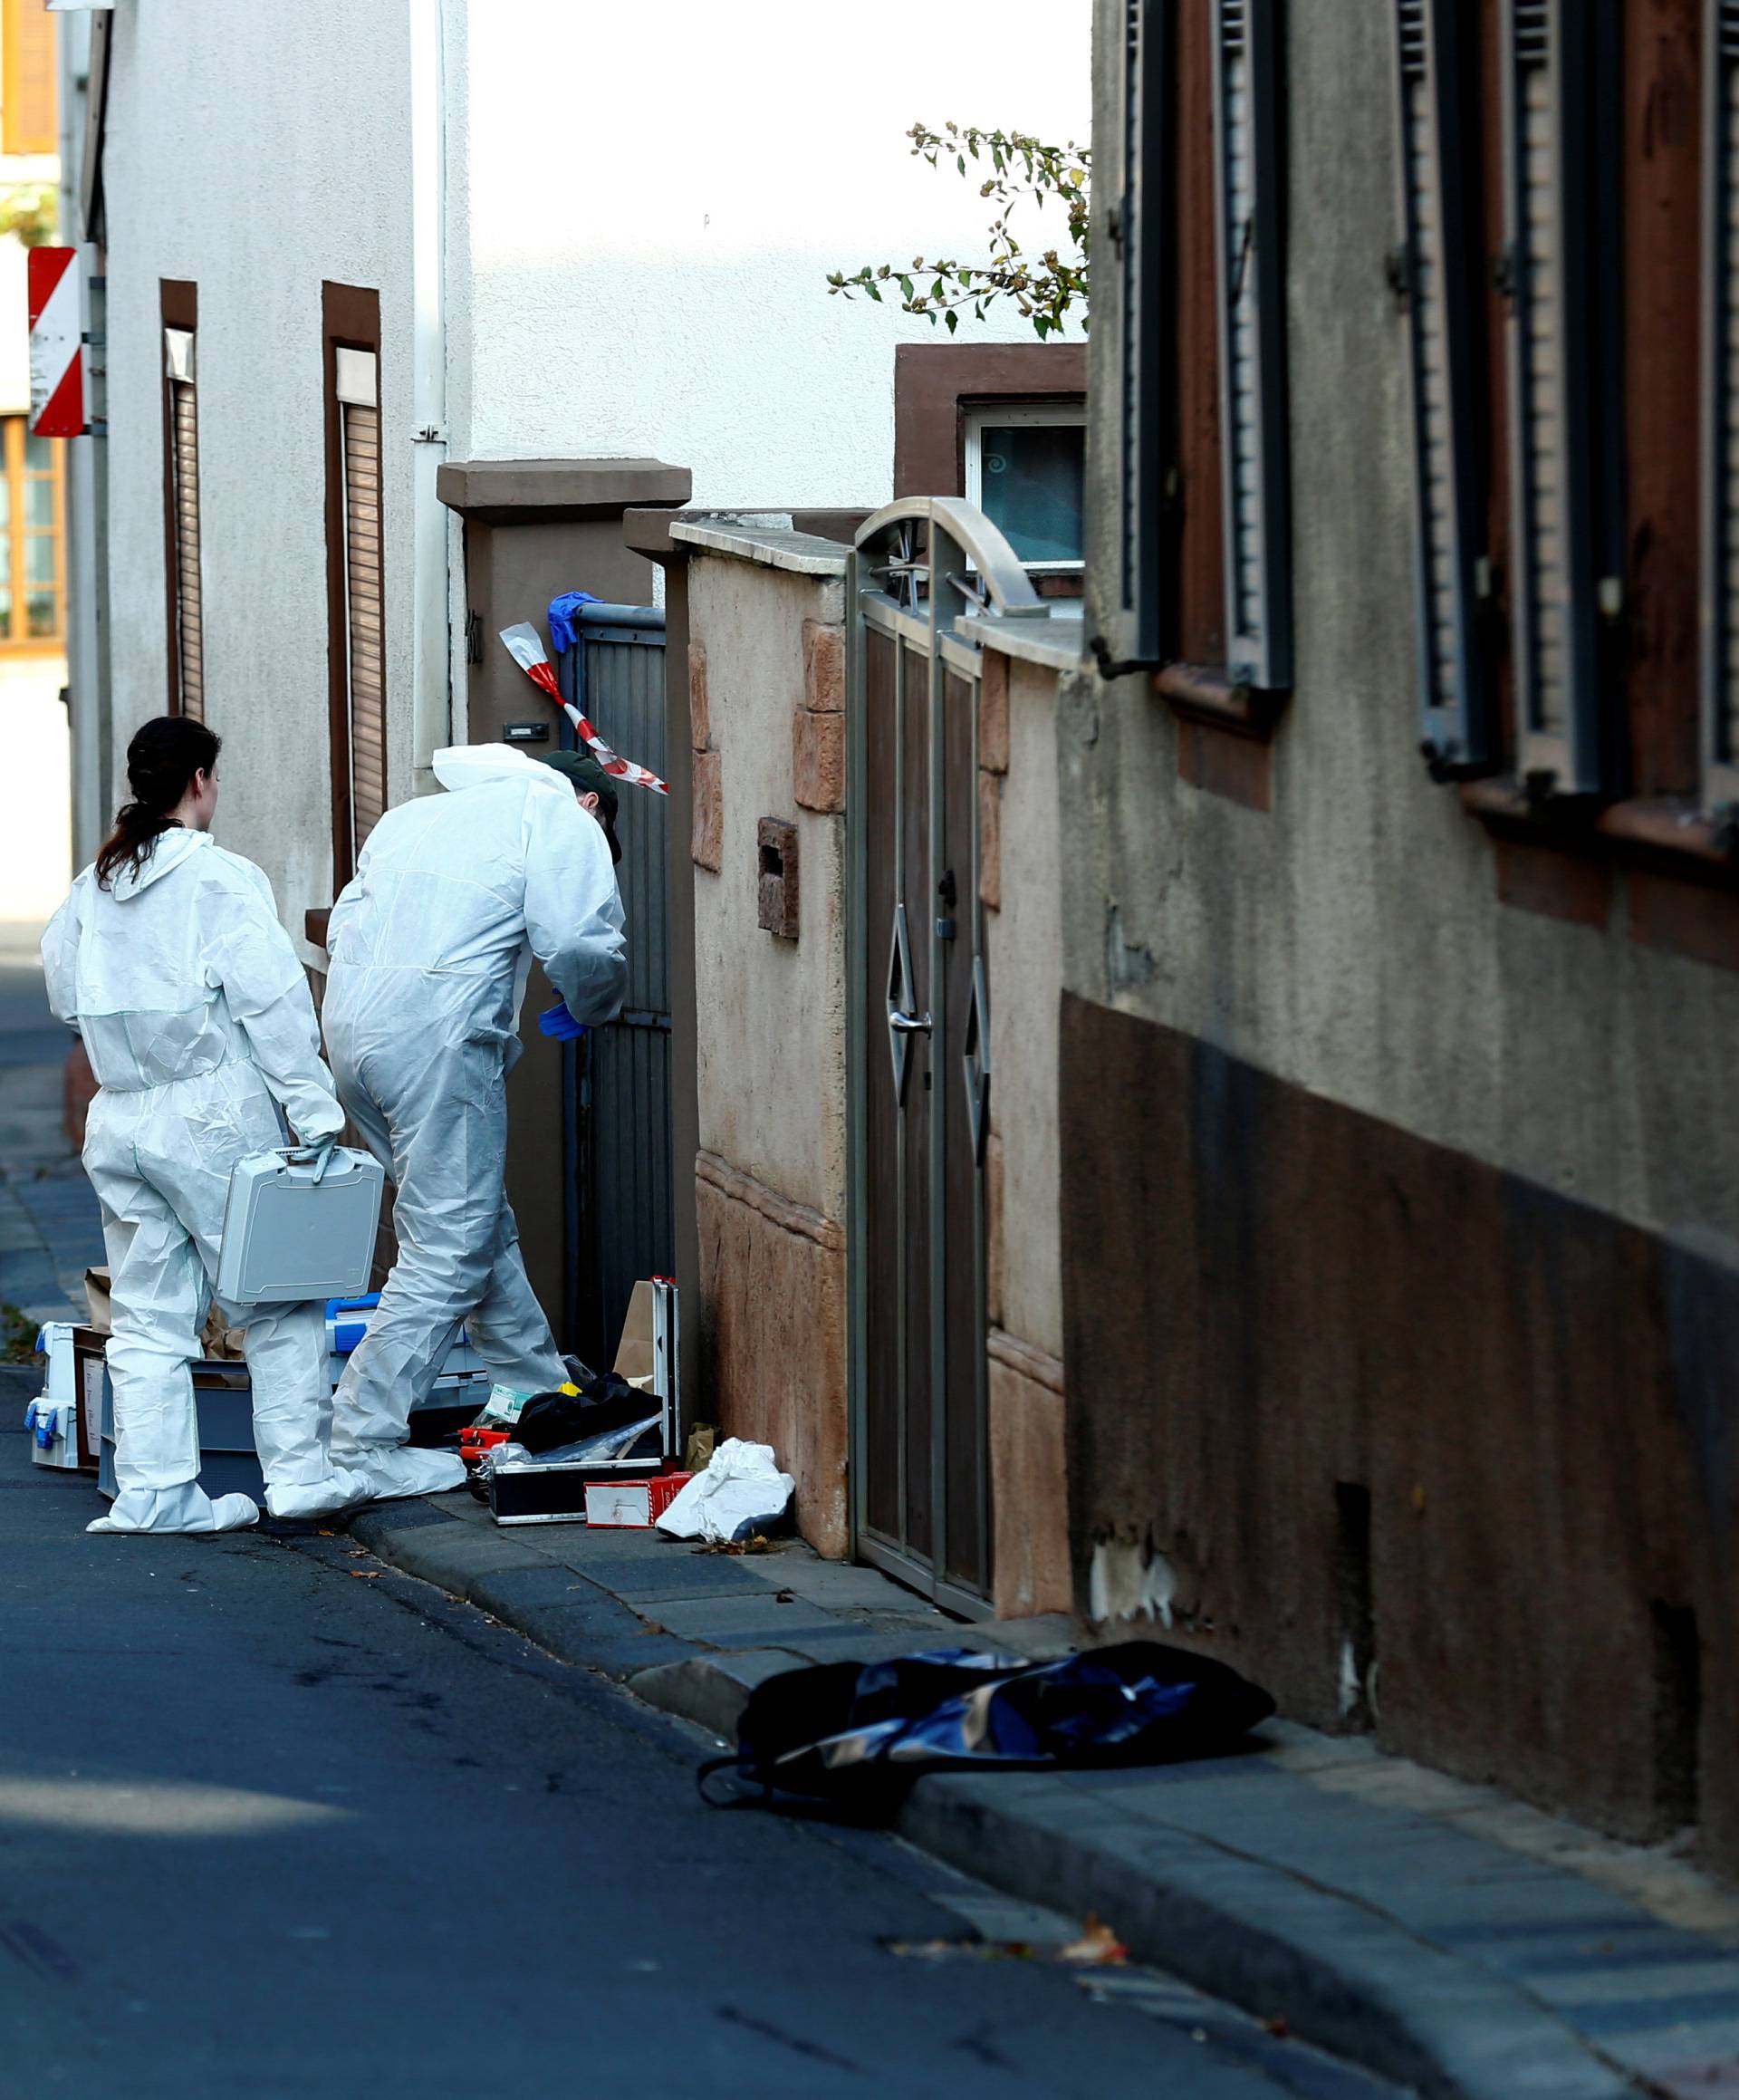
355	568
360	428
1556	446
1248	223
1139	234
1720	551
1458	729
188	676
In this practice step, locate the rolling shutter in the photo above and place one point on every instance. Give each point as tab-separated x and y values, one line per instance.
1555	484
1458	731
1720	590
1138	233
359	442
184	513
1248	224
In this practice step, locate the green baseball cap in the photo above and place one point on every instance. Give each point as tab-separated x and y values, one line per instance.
589	778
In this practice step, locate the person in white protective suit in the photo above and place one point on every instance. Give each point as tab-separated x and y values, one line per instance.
168	961
431	945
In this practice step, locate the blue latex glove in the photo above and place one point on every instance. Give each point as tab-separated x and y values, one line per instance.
558	1022
321	1155
563	608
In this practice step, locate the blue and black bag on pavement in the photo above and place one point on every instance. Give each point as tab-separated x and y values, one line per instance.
857	1734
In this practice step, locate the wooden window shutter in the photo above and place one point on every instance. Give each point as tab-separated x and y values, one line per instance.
183	464
1139	234
29	91
1720	448
359	396
1561	434
1457	725
1249	227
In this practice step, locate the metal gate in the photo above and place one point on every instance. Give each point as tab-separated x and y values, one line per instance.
927	570
618	1079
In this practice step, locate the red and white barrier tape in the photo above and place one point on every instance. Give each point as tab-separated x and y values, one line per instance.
526	648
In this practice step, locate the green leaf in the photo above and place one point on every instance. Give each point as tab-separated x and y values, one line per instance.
954	321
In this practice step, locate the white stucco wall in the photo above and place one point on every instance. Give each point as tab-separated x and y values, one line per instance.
651	222
255	151
36	839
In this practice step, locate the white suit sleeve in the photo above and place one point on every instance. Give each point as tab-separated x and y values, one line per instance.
573	912
267	994
61	962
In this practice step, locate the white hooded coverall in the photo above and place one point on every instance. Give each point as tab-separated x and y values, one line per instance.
197	1019
431	946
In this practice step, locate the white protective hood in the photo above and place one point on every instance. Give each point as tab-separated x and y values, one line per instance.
463	765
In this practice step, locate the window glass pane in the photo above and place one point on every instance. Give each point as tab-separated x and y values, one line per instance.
39	504
40	606
39	557
5	604
39	455
1032	486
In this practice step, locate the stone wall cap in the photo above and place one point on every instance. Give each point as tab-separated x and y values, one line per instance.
765	537
528	491
1055	643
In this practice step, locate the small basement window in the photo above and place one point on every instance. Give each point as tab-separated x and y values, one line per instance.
1025	465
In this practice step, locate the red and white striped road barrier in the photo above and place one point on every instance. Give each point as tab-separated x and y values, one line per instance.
56	303
525	646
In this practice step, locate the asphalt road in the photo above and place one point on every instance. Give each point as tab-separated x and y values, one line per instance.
274	1821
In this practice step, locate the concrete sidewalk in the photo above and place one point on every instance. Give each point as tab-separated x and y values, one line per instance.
1434	1932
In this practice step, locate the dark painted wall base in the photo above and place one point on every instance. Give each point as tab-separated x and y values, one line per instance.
1422	1443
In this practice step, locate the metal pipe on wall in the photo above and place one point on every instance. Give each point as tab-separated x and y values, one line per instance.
431	703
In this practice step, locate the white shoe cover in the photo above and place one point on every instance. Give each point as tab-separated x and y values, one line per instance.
340	1489
391	1473
187	1509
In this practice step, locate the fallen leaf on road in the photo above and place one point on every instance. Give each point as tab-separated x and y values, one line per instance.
1097	1946
365	1574
1279	2027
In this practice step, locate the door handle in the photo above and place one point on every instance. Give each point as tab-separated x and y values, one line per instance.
909	1024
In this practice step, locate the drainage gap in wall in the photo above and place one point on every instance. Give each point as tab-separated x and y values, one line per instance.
1353	1604
1679	1714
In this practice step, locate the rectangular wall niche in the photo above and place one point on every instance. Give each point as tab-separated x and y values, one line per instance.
776	856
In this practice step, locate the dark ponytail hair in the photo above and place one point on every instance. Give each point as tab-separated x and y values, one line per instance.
161	761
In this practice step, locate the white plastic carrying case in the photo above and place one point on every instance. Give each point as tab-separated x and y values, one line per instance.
287	1236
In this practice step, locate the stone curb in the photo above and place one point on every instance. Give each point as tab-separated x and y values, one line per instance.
1341	1974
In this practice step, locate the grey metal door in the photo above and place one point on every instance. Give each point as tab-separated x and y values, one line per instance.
618	1088
929	572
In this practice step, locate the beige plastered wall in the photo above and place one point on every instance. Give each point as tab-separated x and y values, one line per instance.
1352	940
1023	960
769	1022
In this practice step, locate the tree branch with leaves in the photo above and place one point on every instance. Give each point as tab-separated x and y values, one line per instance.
1046	288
